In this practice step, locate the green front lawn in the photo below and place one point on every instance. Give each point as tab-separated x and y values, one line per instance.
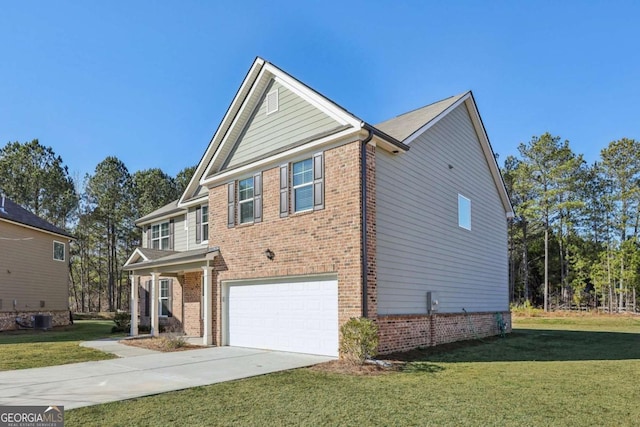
33	349
541	375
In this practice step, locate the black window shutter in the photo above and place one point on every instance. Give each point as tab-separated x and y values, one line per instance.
171	234
146	294
318	181
198	224
257	197
149	236
284	190
170	299
231	205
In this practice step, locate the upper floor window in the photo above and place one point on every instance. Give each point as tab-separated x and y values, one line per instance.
245	200
307	179
204	224
58	251
464	212
160	236
303	185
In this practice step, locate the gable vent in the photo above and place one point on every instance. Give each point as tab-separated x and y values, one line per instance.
272	101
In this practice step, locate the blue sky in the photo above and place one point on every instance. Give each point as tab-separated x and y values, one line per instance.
149	81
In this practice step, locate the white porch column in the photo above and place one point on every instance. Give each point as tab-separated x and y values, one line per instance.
133	305
207	278
153	303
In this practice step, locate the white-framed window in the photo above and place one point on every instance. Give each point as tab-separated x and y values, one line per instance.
58	250
302	185
464	212
164	301
245	200
204	223
160	236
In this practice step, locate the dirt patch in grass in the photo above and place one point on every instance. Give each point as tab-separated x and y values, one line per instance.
159	344
348	368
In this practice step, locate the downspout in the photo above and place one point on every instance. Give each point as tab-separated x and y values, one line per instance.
363	196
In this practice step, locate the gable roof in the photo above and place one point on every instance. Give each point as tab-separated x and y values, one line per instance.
395	134
11	211
166	210
242	107
405	125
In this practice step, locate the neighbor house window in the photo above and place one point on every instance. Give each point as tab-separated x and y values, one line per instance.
303	185
165	298
245	200
160	236
464	212
58	251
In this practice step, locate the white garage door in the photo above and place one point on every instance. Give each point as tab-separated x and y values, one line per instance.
299	317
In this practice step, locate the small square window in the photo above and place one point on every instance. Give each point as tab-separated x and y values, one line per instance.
464	212
58	251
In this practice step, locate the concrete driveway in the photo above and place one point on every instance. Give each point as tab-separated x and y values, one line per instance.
91	383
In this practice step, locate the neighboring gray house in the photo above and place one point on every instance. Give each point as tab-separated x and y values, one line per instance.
301	215
34	268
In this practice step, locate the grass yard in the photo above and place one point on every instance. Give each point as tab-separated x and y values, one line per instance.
550	372
34	349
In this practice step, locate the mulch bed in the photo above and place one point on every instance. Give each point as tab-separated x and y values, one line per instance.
158	344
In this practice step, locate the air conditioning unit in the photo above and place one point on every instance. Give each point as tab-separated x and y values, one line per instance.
42	321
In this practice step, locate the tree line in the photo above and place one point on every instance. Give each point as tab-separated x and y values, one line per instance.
574	239
99	210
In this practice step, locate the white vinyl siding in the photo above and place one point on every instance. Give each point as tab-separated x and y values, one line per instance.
180	233
295	121
420	246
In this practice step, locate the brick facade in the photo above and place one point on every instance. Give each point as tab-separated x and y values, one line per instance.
309	243
400	333
8	319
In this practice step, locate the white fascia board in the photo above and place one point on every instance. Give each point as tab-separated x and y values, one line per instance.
134	256
320	102
162	218
195	202
211	149
236	119
278	157
436	119
481	132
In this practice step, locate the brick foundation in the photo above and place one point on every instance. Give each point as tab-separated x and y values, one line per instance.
8	319
401	333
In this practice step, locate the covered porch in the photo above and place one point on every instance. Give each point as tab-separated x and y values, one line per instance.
180	288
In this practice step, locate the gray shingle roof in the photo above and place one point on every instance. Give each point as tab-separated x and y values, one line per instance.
16	213
167	209
404	125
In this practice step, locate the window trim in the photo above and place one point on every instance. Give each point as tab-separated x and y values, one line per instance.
64	251
247	201
464	212
204	237
160	236
299	186
166	298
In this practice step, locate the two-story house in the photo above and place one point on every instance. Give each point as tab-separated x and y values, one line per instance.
301	215
34	268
